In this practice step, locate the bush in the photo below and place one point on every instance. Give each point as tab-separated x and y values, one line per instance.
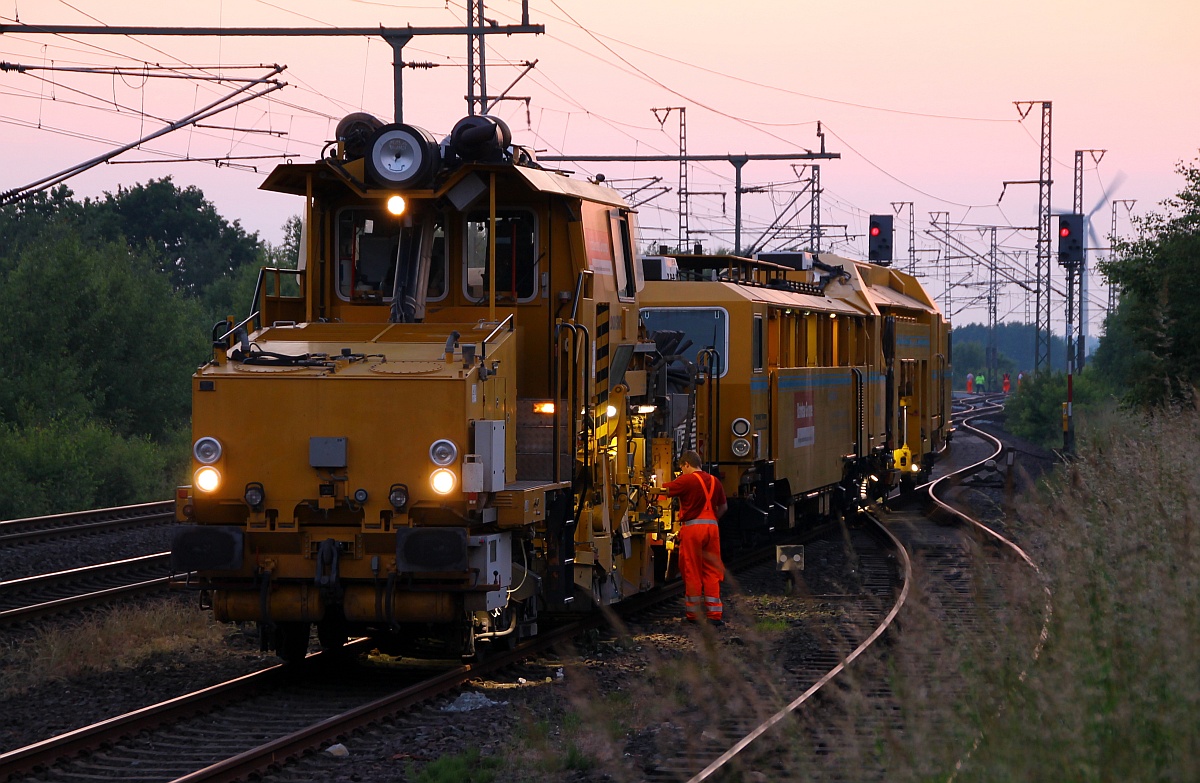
1035	410
74	463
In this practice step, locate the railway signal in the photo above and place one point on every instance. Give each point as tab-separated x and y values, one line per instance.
1070	239
879	239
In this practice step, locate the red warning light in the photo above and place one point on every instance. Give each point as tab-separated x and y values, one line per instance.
1064	231
875	231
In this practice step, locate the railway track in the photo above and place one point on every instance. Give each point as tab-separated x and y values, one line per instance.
248	725
34	597
255	737
35	529
127	541
947	556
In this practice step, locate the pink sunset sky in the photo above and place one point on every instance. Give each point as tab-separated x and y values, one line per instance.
917	97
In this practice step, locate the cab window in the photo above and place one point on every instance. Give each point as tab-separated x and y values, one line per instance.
702	327
756	344
371	244
516	255
623	257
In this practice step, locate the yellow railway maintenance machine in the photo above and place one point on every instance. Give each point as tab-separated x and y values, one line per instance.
915	343
818	378
441	425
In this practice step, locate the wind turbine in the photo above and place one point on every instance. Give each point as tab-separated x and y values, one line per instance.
1093	242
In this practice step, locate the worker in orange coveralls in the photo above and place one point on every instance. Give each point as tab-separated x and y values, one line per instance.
1007	383
701	504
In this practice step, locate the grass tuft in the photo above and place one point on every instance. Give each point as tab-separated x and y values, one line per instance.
466	767
121	637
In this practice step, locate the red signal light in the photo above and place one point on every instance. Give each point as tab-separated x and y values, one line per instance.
875	231
1064	231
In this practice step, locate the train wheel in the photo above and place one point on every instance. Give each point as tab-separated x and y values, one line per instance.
291	641
331	631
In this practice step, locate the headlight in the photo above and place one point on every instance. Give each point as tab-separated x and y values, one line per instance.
741	427
740	446
916	468
398	496
208	479
254	495
207	450
443	452
360	496
443	481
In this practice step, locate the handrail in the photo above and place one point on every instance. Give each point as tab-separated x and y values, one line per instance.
585	274
258	285
709	360
238	325
556	375
509	321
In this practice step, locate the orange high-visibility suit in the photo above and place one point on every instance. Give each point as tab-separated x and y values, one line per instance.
700	494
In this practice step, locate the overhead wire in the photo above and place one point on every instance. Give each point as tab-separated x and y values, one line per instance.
601	39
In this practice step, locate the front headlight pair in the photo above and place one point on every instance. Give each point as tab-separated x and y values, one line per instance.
208	450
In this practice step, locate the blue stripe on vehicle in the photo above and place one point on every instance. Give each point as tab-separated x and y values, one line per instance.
787	382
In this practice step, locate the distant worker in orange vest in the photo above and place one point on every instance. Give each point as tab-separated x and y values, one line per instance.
701	504
970	383
1007	383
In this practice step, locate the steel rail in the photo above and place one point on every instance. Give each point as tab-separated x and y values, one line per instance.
878	632
71	744
932	486
43	582
22	531
62	605
1048	607
257	759
829	676
37	581
48	751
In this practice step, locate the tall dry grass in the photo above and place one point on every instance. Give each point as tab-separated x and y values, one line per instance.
1113	695
121	637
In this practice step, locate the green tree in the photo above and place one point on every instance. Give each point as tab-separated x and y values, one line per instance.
233	294
1160	297
32	220
1119	360
971	357
192	243
95	331
102	322
1014	341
